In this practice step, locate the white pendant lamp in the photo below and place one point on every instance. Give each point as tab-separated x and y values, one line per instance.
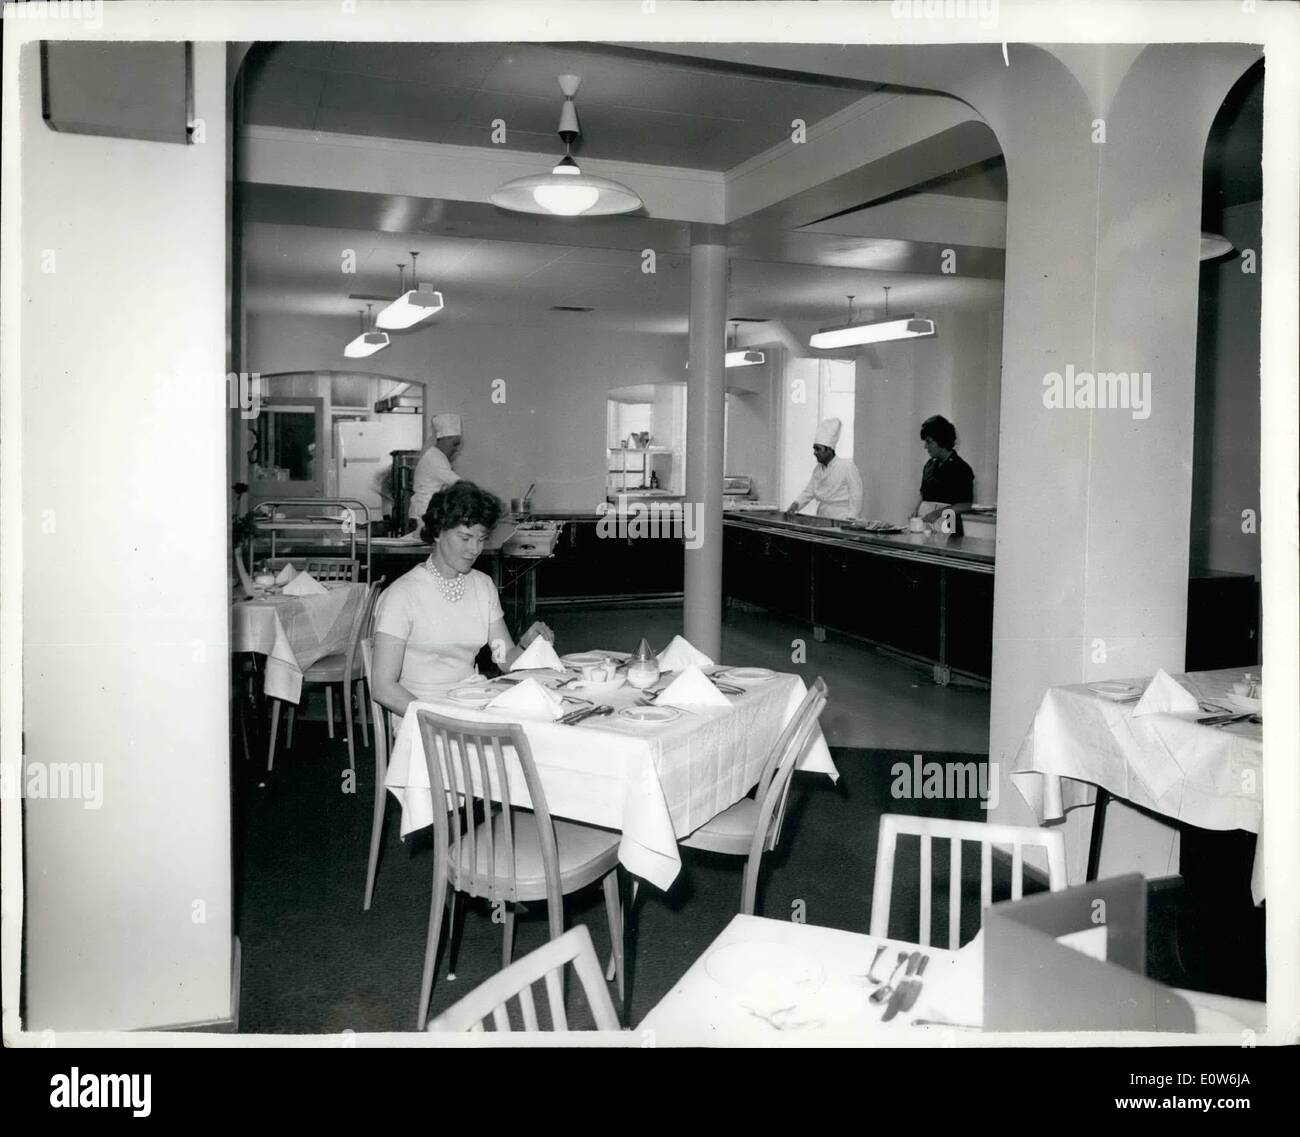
878	331
411	306
1213	246
368	342
566	191
742	358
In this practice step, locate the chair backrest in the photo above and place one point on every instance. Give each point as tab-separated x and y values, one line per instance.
493	996
379	714
322	568
360	627
774	784
467	760
986	835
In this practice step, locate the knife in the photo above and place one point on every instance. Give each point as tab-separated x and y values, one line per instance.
914	986
900	992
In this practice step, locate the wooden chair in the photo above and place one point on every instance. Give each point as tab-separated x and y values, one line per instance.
753	825
986	835
342	668
322	568
384	729
513	856
547	962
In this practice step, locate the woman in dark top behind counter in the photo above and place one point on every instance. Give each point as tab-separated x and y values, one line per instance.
947	479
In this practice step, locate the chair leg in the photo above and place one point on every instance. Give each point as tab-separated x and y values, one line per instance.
749	886
434	934
614	917
376	836
347	725
508	935
361	711
455	930
288	734
329	707
275	728
612	970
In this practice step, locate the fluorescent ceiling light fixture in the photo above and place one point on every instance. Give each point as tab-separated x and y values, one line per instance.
412	306
367	343
1214	246
745	358
878	331
566	191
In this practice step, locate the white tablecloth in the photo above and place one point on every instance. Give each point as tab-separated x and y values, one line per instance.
1211	777
293	632
702	1009
655	784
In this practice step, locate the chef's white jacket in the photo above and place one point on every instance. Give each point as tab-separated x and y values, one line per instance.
837	488
432	473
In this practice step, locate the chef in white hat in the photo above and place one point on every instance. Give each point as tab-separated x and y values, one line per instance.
434	469
835	485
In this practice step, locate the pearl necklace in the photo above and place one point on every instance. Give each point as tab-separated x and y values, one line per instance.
452	590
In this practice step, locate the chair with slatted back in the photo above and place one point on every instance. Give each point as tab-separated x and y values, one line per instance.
342	669
321	568
384	728
986	835
753	825
513	856
493	996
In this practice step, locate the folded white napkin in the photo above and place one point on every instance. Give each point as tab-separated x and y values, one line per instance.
953	989
304	584
539	653
286	574
529	699
692	688
1165	695
679	655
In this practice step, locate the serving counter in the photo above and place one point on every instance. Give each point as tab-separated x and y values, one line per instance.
927	597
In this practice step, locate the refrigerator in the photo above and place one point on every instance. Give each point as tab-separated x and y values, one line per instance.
363	456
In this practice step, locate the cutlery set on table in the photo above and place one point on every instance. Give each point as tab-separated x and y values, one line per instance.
898	994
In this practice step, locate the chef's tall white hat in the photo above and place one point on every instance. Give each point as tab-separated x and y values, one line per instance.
446	426
828	433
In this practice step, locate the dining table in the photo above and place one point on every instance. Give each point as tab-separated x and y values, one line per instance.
766	982
1089	742
654	782
293	632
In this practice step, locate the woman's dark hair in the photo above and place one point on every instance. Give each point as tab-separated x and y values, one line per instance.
461	503
938	429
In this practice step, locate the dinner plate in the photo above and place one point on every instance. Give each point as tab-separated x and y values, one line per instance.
475	696
1242	702
582	658
650	716
765	976
1116	692
744	674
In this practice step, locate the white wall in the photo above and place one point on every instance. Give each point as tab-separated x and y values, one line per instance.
124	552
957	374
551	429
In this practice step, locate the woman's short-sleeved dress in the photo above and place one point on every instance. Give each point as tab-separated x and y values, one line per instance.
441	638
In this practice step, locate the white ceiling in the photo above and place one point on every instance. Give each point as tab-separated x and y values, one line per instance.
294	269
671	112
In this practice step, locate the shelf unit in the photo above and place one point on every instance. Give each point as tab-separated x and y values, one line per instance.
618	474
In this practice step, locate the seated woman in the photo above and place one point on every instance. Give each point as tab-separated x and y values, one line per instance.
432	621
947	479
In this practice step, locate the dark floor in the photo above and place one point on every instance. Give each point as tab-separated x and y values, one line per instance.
313	961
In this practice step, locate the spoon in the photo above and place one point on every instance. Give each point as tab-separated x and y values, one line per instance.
888	989
871	978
